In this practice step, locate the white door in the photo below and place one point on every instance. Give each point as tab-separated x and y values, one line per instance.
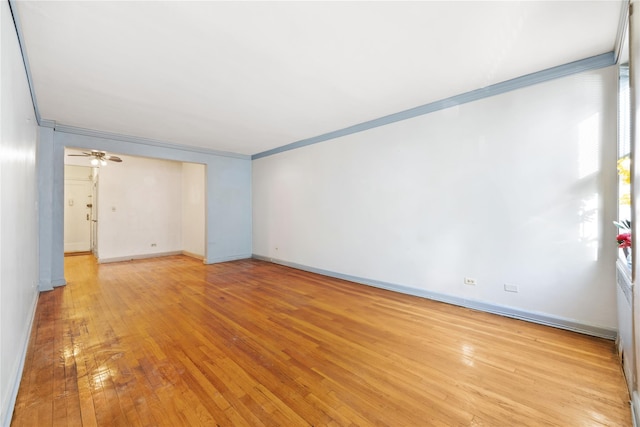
77	215
94	215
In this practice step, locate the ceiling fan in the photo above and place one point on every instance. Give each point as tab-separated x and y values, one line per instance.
99	157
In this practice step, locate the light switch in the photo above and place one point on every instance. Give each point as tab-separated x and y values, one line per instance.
70	202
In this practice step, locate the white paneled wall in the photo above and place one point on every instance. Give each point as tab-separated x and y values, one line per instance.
515	189
18	214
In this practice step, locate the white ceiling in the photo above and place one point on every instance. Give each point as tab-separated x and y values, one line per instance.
246	77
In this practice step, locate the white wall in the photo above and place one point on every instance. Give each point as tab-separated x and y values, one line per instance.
18	214
193	208
518	188
139	208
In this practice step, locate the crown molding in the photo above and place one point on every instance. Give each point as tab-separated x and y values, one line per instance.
143	141
592	63
51	124
623	24
25	58
595	62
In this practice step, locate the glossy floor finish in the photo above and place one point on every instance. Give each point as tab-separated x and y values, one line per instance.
173	342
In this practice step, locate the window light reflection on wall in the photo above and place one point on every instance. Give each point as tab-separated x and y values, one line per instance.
589	148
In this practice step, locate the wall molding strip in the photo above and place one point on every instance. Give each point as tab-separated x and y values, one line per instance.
140	256
47	123
622	30
534	317
217	260
88	132
25	58
171	253
142	141
193	255
592	63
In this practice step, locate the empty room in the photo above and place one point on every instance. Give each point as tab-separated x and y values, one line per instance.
238	213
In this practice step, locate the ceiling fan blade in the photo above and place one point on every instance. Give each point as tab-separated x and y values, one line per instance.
98	155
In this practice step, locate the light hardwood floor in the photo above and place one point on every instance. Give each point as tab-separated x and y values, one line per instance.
173	342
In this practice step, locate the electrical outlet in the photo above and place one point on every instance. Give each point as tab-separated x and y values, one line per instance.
153	245
470	281
510	288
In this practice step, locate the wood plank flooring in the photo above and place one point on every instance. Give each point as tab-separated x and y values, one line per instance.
173	342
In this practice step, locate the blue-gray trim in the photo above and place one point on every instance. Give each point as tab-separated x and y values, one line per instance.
47	123
540	318
622	30
226	258
88	132
595	62
143	141
25	59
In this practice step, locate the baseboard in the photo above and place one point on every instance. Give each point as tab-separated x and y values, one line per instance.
45	285
534	317
227	258
7	408
139	256
61	281
162	254
78	253
193	255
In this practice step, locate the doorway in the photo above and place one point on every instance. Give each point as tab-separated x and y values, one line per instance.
78	209
146	207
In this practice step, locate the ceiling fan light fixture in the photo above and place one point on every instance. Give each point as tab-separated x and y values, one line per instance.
99	158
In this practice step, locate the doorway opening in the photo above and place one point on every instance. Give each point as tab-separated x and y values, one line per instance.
138	208
79	212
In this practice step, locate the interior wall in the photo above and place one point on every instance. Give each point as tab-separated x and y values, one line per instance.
193	209
76	172
139	208
516	189
228	194
18	214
